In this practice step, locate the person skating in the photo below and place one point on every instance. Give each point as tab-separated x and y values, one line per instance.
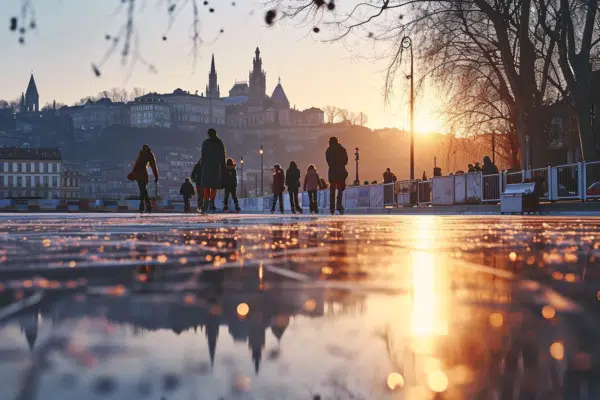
187	191
197	178
230	185
292	181
311	185
337	159
140	175
213	164
278	187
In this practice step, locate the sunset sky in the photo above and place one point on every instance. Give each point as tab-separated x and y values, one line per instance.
71	35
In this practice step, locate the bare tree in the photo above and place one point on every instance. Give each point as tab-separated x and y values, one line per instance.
344	115
331	112
4	104
361	119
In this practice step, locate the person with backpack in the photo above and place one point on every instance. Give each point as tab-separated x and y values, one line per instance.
311	185
278	187
187	191
140	175
292	181
230	185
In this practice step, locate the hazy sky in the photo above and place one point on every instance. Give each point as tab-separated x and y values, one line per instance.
71	35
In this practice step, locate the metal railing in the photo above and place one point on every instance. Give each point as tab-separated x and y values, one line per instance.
568	179
492	188
424	192
541	177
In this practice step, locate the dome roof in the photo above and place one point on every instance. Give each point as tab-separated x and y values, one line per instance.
279	97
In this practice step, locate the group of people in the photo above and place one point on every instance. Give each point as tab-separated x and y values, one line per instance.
337	159
214	171
488	168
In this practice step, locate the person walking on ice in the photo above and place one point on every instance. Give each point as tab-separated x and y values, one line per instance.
140	175
213	164
230	185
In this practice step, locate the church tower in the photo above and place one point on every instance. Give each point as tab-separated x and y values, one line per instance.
212	89
258	79
32	97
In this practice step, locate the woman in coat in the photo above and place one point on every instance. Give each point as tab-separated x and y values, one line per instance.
213	165
140	175
311	185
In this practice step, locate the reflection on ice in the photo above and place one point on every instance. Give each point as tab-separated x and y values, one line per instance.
410	308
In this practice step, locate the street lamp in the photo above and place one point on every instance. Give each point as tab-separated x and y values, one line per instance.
407	44
356	159
262	172
242	162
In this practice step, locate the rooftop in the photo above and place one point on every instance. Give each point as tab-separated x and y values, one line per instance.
20	153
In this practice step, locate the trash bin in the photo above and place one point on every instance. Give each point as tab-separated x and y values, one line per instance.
519	198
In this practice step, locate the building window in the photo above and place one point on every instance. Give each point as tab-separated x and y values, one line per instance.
55	181
46	181
28	181
36	180
46	168
10	181
19	181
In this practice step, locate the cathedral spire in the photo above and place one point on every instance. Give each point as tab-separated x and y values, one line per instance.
212	89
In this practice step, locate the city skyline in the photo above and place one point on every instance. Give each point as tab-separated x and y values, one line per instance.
288	51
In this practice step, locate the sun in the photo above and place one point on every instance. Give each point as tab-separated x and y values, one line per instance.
427	123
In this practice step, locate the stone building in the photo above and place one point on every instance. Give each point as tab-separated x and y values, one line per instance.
97	114
150	110
248	104
28	172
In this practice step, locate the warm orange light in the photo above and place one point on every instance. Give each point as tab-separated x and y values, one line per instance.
327	270
557	351
395	381
548	312
243	309
570	277
512	256
496	320
310	305
437	381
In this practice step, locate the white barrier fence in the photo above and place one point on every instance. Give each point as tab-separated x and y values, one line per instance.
563	182
556	183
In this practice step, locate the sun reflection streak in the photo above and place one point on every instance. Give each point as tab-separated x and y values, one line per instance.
429	317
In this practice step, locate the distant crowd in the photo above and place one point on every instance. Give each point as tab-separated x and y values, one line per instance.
215	171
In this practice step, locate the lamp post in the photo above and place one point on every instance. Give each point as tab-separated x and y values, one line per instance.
356	159
407	44
242	162
262	172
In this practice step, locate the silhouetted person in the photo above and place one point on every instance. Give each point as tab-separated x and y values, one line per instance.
278	187
477	167
471	168
292	181
140	175
197	178
389	177
311	185
213	163
322	184
187	191
337	159
489	168
388	190
230	185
